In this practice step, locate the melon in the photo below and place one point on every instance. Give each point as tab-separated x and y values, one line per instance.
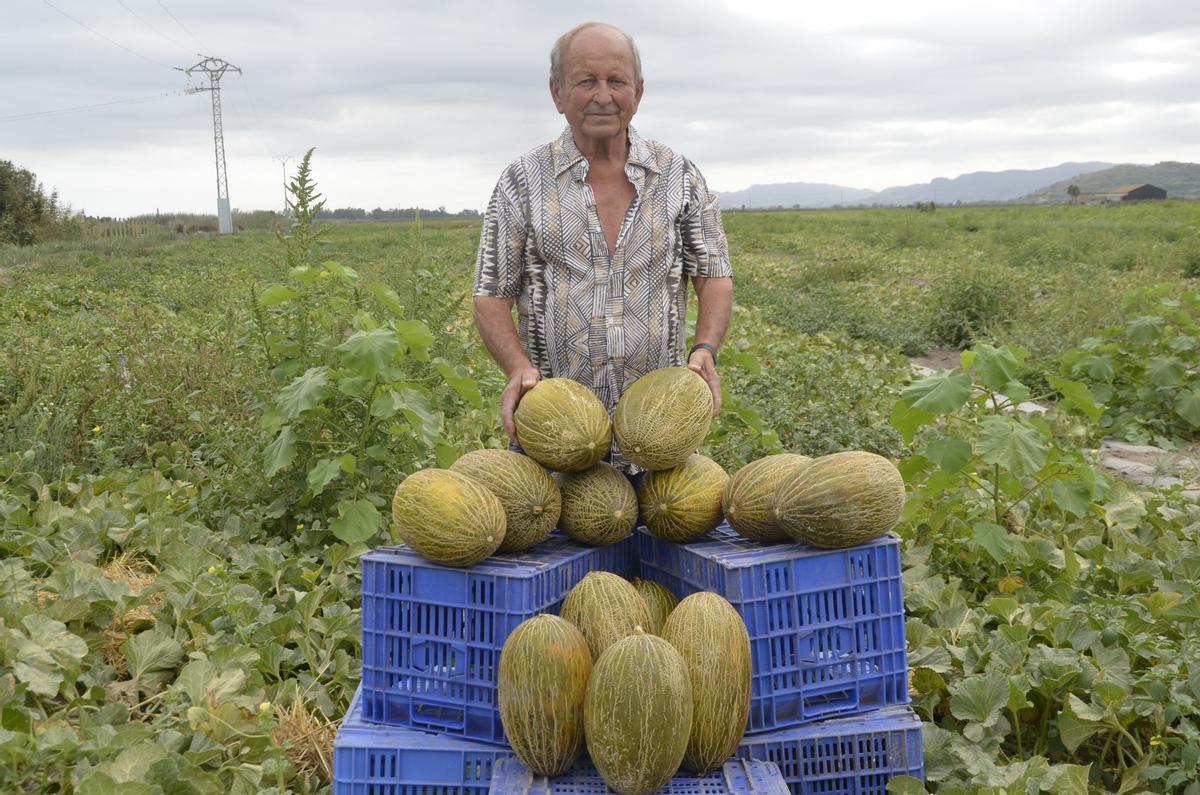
526	490
542	683
663	417
710	636
840	500
563	425
447	517
605	607
599	506
660	601
748	500
683	504
638	714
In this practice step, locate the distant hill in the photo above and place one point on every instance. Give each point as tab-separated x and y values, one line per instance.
1179	180
979	186
791	194
985	186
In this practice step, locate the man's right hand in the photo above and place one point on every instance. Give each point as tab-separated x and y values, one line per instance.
522	380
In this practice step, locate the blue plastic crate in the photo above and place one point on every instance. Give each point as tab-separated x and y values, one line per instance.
432	634
844	756
826	626
741	776
372	759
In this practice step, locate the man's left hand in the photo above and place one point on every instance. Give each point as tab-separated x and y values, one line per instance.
701	362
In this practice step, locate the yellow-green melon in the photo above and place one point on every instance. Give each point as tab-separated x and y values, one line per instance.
683	504
638	714
542	684
748	500
663	417
599	506
605	607
659	599
710	636
840	500
529	495
447	517
562	425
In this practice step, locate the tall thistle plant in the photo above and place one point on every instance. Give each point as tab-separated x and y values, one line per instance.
353	411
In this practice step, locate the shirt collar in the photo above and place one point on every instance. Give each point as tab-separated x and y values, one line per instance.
567	154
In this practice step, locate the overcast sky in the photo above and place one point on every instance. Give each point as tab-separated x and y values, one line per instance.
424	103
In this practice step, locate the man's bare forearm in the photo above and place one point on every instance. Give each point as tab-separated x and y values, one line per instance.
714	308
493	318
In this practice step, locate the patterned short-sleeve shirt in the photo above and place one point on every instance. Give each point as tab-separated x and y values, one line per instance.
603	318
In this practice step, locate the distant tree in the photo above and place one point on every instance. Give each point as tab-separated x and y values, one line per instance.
1073	192
26	212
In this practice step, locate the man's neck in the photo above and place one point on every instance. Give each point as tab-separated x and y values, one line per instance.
614	151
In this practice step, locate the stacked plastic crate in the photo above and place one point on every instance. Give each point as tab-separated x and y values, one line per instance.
829	689
827	645
426	718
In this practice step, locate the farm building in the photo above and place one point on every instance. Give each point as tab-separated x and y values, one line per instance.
1125	193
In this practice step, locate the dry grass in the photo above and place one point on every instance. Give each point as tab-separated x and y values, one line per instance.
307	738
139	574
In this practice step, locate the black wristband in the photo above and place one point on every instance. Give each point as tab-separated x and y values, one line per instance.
704	346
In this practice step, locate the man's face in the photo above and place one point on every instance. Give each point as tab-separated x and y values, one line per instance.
597	96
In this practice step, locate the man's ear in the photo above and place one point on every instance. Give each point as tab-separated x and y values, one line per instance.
555	94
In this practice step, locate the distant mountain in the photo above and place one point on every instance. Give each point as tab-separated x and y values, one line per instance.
979	186
1179	180
985	186
792	194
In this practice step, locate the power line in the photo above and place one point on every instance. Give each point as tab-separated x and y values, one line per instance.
162	35
38	114
181	25
106	38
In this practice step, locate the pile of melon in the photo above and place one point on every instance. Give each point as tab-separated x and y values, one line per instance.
500	501
645	698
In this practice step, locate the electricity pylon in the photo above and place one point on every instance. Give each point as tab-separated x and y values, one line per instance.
215	68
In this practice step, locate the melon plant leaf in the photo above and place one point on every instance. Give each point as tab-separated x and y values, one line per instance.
1166	371
996	541
941	393
322	474
417	336
980	698
1072	496
1125	513
280	453
1097	368
386	296
1072	727
368	352
460	380
1076	394
948	453
1187	406
1067	779
908	420
48	655
357	521
905	785
303	393
1144	330
1012	444
150	651
996	367
132	764
276	294
423	420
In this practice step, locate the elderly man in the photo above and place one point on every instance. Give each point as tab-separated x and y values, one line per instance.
594	236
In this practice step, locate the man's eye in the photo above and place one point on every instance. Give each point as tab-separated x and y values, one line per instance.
587	82
617	82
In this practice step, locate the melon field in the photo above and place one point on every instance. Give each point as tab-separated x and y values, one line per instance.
200	436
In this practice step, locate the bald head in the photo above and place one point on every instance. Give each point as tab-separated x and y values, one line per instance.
562	47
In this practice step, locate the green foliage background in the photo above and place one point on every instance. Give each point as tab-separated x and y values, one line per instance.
230	415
